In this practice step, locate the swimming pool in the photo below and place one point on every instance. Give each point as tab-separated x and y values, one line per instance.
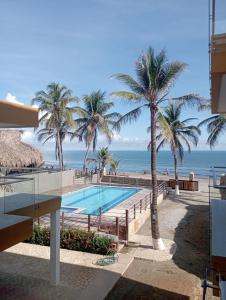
89	200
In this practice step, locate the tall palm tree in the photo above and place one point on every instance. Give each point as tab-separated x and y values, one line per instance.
216	125
95	119
56	105
155	76
176	134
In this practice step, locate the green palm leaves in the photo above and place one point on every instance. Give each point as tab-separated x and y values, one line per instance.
155	75
95	118
103	157
58	120
176	133
114	164
216	125
56	105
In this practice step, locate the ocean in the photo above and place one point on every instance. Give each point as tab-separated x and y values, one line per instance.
198	162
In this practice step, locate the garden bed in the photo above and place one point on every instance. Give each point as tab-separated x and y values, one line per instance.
75	239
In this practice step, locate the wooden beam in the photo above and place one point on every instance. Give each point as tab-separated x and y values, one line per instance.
14	229
13	115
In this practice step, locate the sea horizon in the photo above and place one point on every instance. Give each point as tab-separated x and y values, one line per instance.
198	161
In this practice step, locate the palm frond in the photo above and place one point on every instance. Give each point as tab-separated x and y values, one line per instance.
126	95
190	100
204	106
165	127
130	82
130	117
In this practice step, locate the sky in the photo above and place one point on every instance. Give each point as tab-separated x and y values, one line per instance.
82	43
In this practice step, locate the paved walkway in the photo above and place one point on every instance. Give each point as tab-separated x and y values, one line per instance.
24	274
24	271
183	219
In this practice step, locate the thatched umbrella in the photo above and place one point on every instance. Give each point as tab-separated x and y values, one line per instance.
16	154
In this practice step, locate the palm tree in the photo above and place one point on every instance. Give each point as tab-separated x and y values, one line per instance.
114	164
103	157
95	119
155	76
176	134
216	125
55	103
45	134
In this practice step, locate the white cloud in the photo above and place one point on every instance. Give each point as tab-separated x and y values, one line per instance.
117	138
12	99
28	136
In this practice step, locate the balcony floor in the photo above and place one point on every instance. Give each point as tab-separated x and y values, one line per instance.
24	274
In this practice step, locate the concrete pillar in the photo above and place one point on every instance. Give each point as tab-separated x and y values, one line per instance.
55	247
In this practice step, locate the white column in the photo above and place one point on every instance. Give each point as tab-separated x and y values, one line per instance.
55	247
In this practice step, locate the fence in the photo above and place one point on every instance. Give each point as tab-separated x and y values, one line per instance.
127	180
121	223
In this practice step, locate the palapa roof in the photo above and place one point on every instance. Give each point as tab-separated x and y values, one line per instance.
16	154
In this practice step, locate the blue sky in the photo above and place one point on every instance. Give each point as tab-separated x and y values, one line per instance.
82	43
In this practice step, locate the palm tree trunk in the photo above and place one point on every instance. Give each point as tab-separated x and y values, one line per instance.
157	241
62	155
59	149
176	174
85	158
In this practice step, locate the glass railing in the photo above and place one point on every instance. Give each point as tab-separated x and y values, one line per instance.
46	181
218	17
218	176
17	196
22	188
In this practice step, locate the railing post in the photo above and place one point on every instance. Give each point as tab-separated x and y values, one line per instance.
140	206
89	222
134	211
62	220
127	225
150	199
100	213
117	226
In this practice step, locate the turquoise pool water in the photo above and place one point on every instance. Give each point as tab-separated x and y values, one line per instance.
92	198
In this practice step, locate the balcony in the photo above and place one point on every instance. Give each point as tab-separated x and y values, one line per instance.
218	56
26	195
217	201
15	228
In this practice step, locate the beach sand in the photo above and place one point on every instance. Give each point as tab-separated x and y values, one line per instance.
184	219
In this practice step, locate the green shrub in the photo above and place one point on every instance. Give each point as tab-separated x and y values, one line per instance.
74	239
101	245
40	236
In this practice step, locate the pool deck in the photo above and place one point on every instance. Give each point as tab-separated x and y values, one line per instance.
80	220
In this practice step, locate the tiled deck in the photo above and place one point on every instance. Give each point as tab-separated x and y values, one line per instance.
81	221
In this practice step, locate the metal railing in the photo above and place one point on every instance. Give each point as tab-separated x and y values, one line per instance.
45	180
217	17
116	223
